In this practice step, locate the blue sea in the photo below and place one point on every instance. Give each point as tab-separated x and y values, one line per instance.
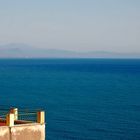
84	99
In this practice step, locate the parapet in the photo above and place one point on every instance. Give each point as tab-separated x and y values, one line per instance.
22	124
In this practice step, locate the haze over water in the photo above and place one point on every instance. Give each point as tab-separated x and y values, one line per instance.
85	99
77	25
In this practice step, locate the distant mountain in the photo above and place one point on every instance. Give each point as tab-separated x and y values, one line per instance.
26	51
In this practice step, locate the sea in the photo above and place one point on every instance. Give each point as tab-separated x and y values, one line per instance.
84	99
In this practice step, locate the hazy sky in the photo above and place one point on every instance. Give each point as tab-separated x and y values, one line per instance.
81	25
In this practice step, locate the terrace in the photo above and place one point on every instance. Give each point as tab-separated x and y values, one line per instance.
22	124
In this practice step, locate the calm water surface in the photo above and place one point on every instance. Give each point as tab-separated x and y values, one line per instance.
85	99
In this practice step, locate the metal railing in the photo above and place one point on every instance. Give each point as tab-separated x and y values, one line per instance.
27	115
21	116
3	113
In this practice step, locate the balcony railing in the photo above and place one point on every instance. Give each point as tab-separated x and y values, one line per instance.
15	116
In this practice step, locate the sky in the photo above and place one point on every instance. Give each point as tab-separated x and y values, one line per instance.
79	25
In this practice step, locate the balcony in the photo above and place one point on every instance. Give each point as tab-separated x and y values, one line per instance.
22	124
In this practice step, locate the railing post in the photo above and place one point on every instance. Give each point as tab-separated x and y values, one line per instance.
15	112
41	117
10	119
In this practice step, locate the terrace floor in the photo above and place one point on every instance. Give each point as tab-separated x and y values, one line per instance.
2	124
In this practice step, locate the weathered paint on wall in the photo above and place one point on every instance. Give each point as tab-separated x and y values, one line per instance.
28	132
23	132
4	133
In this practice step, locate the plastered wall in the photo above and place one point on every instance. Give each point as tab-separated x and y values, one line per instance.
23	132
4	133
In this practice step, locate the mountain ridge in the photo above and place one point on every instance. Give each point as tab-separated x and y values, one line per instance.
14	50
